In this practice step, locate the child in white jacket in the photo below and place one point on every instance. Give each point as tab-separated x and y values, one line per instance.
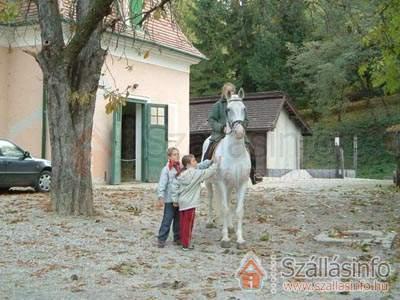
186	193
171	213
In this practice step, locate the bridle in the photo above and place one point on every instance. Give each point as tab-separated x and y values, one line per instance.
233	124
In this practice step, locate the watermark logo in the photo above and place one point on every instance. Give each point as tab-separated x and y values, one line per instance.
317	274
327	267
328	274
251	274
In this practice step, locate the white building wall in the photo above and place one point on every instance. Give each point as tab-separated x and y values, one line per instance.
283	144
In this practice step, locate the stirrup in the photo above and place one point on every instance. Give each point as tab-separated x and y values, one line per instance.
258	178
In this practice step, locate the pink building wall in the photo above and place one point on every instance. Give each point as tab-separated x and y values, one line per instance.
21	98
3	91
21	103
157	84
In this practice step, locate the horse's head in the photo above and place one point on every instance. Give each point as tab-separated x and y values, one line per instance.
236	114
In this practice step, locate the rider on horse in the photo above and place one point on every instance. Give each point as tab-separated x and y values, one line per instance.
217	121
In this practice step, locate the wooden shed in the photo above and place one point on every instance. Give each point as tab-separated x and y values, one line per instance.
276	129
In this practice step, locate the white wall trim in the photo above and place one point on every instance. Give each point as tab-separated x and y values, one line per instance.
124	47
140	98
21	36
118	46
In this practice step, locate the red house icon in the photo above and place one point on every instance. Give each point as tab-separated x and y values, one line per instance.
251	274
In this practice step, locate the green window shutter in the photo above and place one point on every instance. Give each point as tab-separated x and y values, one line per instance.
155	140
136	7
116	146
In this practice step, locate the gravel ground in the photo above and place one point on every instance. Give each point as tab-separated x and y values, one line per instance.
113	255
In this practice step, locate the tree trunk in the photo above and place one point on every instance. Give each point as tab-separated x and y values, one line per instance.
71	93
71	190
71	73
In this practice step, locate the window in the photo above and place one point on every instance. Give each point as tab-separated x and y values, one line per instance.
135	9
157	116
10	150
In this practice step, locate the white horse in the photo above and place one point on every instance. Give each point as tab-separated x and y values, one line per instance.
233	173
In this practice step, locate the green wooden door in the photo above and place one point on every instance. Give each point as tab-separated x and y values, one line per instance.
116	147
155	139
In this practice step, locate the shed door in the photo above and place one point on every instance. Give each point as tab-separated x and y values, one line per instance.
258	140
116	147
155	139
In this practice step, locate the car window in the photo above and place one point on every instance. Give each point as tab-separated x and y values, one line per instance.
10	150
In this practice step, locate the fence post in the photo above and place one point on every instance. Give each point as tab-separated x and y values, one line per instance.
337	151
342	161
397	157
355	154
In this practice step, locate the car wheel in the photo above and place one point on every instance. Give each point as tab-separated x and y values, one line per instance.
4	190
44	182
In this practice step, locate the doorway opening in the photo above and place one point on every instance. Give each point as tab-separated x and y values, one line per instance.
128	143
131	135
139	141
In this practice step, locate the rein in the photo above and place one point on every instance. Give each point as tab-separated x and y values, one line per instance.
232	124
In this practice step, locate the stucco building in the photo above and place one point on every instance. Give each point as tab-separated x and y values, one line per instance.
129	144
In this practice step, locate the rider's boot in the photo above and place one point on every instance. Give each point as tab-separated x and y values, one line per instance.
253	176
210	150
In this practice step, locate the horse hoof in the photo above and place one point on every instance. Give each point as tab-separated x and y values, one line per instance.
210	225
225	244
231	230
241	246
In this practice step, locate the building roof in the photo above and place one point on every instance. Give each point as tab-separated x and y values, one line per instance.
263	111
164	32
250	263
252	266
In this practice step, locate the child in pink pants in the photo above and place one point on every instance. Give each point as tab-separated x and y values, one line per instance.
186	193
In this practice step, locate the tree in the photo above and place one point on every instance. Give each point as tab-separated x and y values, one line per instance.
245	42
275	24
385	68
334	66
71	72
393	147
328	70
208	24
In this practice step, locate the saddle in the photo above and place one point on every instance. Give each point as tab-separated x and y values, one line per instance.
211	149
209	154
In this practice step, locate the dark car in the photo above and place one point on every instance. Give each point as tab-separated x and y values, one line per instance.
19	169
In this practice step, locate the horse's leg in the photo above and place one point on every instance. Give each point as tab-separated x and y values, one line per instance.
210	195
231	228
225	242
240	195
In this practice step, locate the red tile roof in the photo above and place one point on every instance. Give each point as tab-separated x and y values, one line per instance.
164	32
